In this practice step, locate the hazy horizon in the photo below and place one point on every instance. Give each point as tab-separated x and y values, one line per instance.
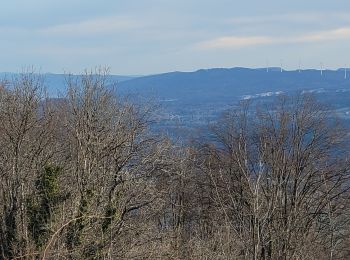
271	68
154	36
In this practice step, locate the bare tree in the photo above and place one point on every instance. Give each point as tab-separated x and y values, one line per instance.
111	159
25	136
277	173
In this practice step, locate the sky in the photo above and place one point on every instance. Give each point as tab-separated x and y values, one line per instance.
139	37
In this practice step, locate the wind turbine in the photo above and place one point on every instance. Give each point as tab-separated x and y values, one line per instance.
321	64
281	65
299	65
345	71
267	65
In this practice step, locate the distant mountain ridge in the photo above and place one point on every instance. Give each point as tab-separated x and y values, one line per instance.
234	82
215	82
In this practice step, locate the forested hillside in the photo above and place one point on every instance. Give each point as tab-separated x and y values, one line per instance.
84	177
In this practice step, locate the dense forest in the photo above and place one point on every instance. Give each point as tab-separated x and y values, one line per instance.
84	177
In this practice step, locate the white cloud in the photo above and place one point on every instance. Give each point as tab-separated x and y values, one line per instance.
68	50
237	42
229	42
94	26
336	34
313	17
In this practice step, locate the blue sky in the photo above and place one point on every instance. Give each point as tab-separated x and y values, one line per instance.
153	36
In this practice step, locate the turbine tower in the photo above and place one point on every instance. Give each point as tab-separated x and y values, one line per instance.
281	65
345	72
